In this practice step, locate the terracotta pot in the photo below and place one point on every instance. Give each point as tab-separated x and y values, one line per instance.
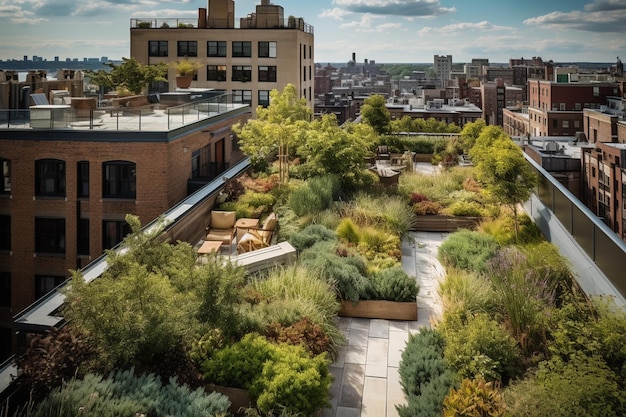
183	81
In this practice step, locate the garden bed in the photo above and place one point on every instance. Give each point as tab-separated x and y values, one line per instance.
379	309
443	223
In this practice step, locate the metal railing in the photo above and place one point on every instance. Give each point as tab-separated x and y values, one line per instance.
248	22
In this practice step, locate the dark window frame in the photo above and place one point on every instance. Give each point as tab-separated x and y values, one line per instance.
82	237
82	179
267	73
5	232
5	168
242	73
263	101
187	48
50	235
124	185
46	283
158	48
239	96
5	289
216	73
242	49
268	49
50	178
119	229
217	49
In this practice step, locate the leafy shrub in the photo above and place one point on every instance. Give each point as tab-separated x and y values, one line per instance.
310	235
385	212
467	249
417	198
275	375
424	208
124	394
474	398
393	284
465	208
375	242
346	272
465	293
303	332
293	381
580	386
424	377
502	229
481	346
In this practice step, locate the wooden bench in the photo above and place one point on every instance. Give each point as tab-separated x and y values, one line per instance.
280	254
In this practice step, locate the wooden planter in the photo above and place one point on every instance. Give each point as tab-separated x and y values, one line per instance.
423	157
379	309
443	223
239	398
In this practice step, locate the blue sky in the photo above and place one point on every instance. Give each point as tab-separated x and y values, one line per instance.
381	30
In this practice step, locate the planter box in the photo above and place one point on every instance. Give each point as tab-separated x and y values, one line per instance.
442	223
379	309
423	157
239	398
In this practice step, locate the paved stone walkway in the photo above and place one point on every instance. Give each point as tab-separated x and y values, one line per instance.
366	370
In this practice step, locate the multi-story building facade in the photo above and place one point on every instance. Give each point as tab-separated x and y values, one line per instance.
266	51
556	109
67	188
443	68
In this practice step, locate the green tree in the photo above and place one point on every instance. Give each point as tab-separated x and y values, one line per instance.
471	132
503	169
375	113
330	149
130	74
277	129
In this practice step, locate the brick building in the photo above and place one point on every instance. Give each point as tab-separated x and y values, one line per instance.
556	109
65	191
266	51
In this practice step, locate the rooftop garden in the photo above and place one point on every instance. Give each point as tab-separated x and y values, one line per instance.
159	330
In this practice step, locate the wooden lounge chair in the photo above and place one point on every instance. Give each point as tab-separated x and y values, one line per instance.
258	237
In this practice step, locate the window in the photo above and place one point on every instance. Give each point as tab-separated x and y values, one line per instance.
216	72
267	74
562	106
267	49
83	179
46	283
50	178
5	289
596	91
49	235
195	164
5	232
555	123
242	96
242	73
264	98
577	124
577	106
5	186
113	232
118	179
242	49
187	48
157	48
82	245
216	48
566	124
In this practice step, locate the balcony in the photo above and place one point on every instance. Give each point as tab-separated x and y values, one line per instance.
249	22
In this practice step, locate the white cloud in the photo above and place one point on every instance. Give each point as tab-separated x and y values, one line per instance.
334	13
604	16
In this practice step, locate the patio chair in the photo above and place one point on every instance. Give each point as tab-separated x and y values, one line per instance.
222	226
382	153
258	237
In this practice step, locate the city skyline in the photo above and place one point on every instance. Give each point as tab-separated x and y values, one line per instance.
382	30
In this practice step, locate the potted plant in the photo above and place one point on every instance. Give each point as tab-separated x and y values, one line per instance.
185	70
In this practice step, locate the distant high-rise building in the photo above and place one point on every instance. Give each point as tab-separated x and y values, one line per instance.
443	67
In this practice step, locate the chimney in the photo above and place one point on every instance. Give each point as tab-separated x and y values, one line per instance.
265	2
353	56
202	18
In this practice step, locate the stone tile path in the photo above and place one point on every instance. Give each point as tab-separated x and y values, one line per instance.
366	370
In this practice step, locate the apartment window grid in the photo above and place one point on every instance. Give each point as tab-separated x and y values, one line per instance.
267	73
216	73
216	49
242	49
5	165
242	73
46	283
5	232
113	232
49	235
157	48
242	96
83	179
5	289
50	178
119	180
267	49
187	48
